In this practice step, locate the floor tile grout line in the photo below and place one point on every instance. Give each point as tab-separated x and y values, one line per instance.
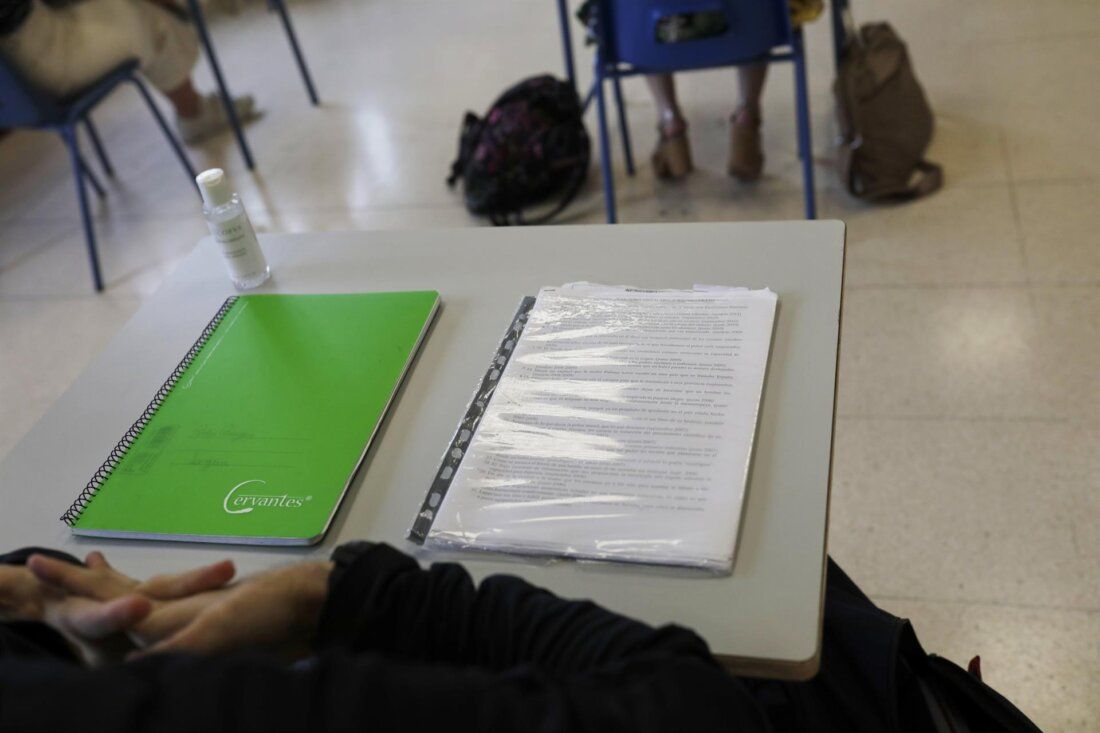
1074	540
1044	38
253	209
90	297
992	285
171	216
1061	181
1025	419
972	285
1088	610
70	220
1017	219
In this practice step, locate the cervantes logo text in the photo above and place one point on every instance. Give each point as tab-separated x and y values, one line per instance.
244	502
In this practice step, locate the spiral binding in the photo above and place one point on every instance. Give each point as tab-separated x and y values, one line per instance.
72	514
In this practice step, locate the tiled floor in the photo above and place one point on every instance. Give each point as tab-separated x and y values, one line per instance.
967	486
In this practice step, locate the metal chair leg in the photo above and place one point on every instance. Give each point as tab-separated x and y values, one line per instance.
280	7
176	146
98	145
566	42
68	133
605	149
199	20
802	103
624	130
86	170
91	176
588	98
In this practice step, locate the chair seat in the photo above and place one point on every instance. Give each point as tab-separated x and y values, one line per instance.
656	36
75	105
641	33
23	105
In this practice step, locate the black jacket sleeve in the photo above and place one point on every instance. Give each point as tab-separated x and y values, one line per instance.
401	648
385	603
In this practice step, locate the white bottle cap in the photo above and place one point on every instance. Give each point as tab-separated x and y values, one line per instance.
214	187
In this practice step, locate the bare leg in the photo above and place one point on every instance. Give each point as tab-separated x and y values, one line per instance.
670	119
186	100
672	158
750	83
746	161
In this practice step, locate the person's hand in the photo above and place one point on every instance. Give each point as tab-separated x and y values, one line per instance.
97	580
277	611
91	627
93	605
22	596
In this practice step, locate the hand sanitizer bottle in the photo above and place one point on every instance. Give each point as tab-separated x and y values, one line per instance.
233	231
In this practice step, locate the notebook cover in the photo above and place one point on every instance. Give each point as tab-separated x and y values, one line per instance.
257	435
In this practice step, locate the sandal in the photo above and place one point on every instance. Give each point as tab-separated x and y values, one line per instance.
746	162
672	157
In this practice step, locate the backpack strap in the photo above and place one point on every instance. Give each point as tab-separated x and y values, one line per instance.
931	179
967	703
467	141
516	218
574	188
567	198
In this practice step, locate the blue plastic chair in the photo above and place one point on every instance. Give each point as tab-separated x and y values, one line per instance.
21	105
628	45
197	16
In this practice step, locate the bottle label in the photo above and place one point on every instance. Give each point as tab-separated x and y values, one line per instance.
237	239
231	237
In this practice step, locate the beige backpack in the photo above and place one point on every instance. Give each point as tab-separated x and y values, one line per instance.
885	121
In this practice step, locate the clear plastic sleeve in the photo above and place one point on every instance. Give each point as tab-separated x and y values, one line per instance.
614	424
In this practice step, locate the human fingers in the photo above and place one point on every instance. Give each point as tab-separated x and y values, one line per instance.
109	578
75	579
206	634
21	594
168	617
13	583
95	559
94	620
189	583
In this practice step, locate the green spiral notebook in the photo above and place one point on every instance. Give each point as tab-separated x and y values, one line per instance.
257	434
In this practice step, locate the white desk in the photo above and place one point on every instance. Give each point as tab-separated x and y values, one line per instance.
764	619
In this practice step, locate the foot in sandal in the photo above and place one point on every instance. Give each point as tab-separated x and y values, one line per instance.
672	157
746	162
212	118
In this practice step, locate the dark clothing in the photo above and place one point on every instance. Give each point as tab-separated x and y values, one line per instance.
400	648
14	12
12	15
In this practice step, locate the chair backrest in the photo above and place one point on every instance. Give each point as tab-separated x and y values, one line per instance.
21	105
675	35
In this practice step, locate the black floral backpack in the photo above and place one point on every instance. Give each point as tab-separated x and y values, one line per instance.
530	145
